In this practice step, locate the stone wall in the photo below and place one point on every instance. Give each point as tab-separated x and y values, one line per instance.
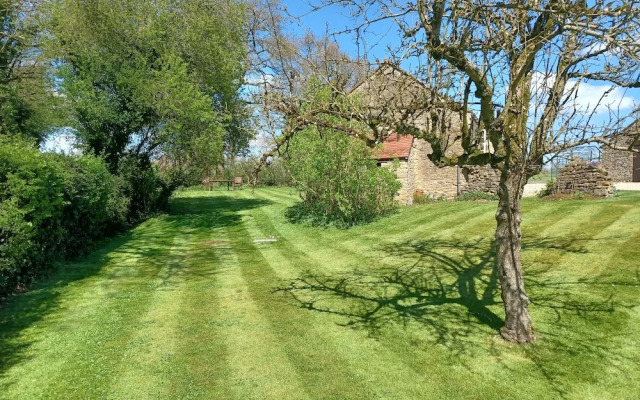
619	163
420	173
435	182
481	178
582	177
405	194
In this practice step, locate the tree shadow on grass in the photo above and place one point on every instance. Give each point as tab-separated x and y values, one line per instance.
449	289
447	286
152	240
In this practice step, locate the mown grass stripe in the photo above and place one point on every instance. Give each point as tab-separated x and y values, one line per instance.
259	366
299	335
364	346
83	362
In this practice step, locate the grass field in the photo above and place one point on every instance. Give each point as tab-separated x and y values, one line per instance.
188	306
543	177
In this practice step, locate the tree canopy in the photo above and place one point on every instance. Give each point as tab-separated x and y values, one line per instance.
150	79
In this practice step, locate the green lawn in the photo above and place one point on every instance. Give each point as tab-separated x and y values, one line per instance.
187	306
542	177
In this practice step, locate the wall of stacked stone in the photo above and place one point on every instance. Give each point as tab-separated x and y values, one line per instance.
580	176
481	178
619	163
405	194
435	182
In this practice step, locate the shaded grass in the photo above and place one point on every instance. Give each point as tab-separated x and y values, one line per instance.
187	306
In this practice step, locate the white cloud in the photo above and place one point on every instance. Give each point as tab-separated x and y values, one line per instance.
255	79
586	97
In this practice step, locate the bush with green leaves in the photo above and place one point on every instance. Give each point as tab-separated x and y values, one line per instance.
141	184
549	189
273	174
31	206
95	204
339	181
53	206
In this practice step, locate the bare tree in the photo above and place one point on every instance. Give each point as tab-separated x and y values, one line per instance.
284	69
513	69
520	65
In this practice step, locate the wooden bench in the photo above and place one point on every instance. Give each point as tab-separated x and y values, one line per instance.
209	184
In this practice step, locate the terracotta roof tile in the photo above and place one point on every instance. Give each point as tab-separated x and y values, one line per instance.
396	147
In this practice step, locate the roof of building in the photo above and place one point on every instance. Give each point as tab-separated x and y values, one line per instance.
396	146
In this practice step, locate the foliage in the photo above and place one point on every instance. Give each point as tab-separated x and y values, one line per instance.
549	189
27	105
150	79
477	195
51	206
95	203
31	204
275	173
141	184
338	179
421	199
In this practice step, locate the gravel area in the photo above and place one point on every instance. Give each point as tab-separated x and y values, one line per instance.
628	185
532	189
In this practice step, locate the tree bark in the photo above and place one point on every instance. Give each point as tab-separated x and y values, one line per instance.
518	327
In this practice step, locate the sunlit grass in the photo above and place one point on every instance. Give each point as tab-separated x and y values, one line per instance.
188	306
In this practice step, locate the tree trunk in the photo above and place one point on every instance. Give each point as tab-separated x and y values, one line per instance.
517	328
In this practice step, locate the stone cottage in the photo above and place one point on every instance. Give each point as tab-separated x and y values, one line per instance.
624	166
391	88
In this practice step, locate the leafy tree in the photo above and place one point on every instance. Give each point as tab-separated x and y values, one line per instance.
149	79
27	104
338	178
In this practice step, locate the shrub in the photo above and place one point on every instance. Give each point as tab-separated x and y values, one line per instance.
94	202
477	195
141	184
548	190
275	174
53	206
31	205
338	179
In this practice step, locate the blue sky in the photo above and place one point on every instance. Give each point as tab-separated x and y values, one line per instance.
336	18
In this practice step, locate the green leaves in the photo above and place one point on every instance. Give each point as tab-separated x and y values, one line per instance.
52	206
339	180
149	78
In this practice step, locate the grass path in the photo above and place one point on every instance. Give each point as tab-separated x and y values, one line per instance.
187	306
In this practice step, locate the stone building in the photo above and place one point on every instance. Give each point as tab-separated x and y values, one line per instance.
623	165
391	88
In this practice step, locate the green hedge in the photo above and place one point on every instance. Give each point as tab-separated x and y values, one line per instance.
54	206
31	206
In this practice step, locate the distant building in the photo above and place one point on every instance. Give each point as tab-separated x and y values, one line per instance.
391	87
624	165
